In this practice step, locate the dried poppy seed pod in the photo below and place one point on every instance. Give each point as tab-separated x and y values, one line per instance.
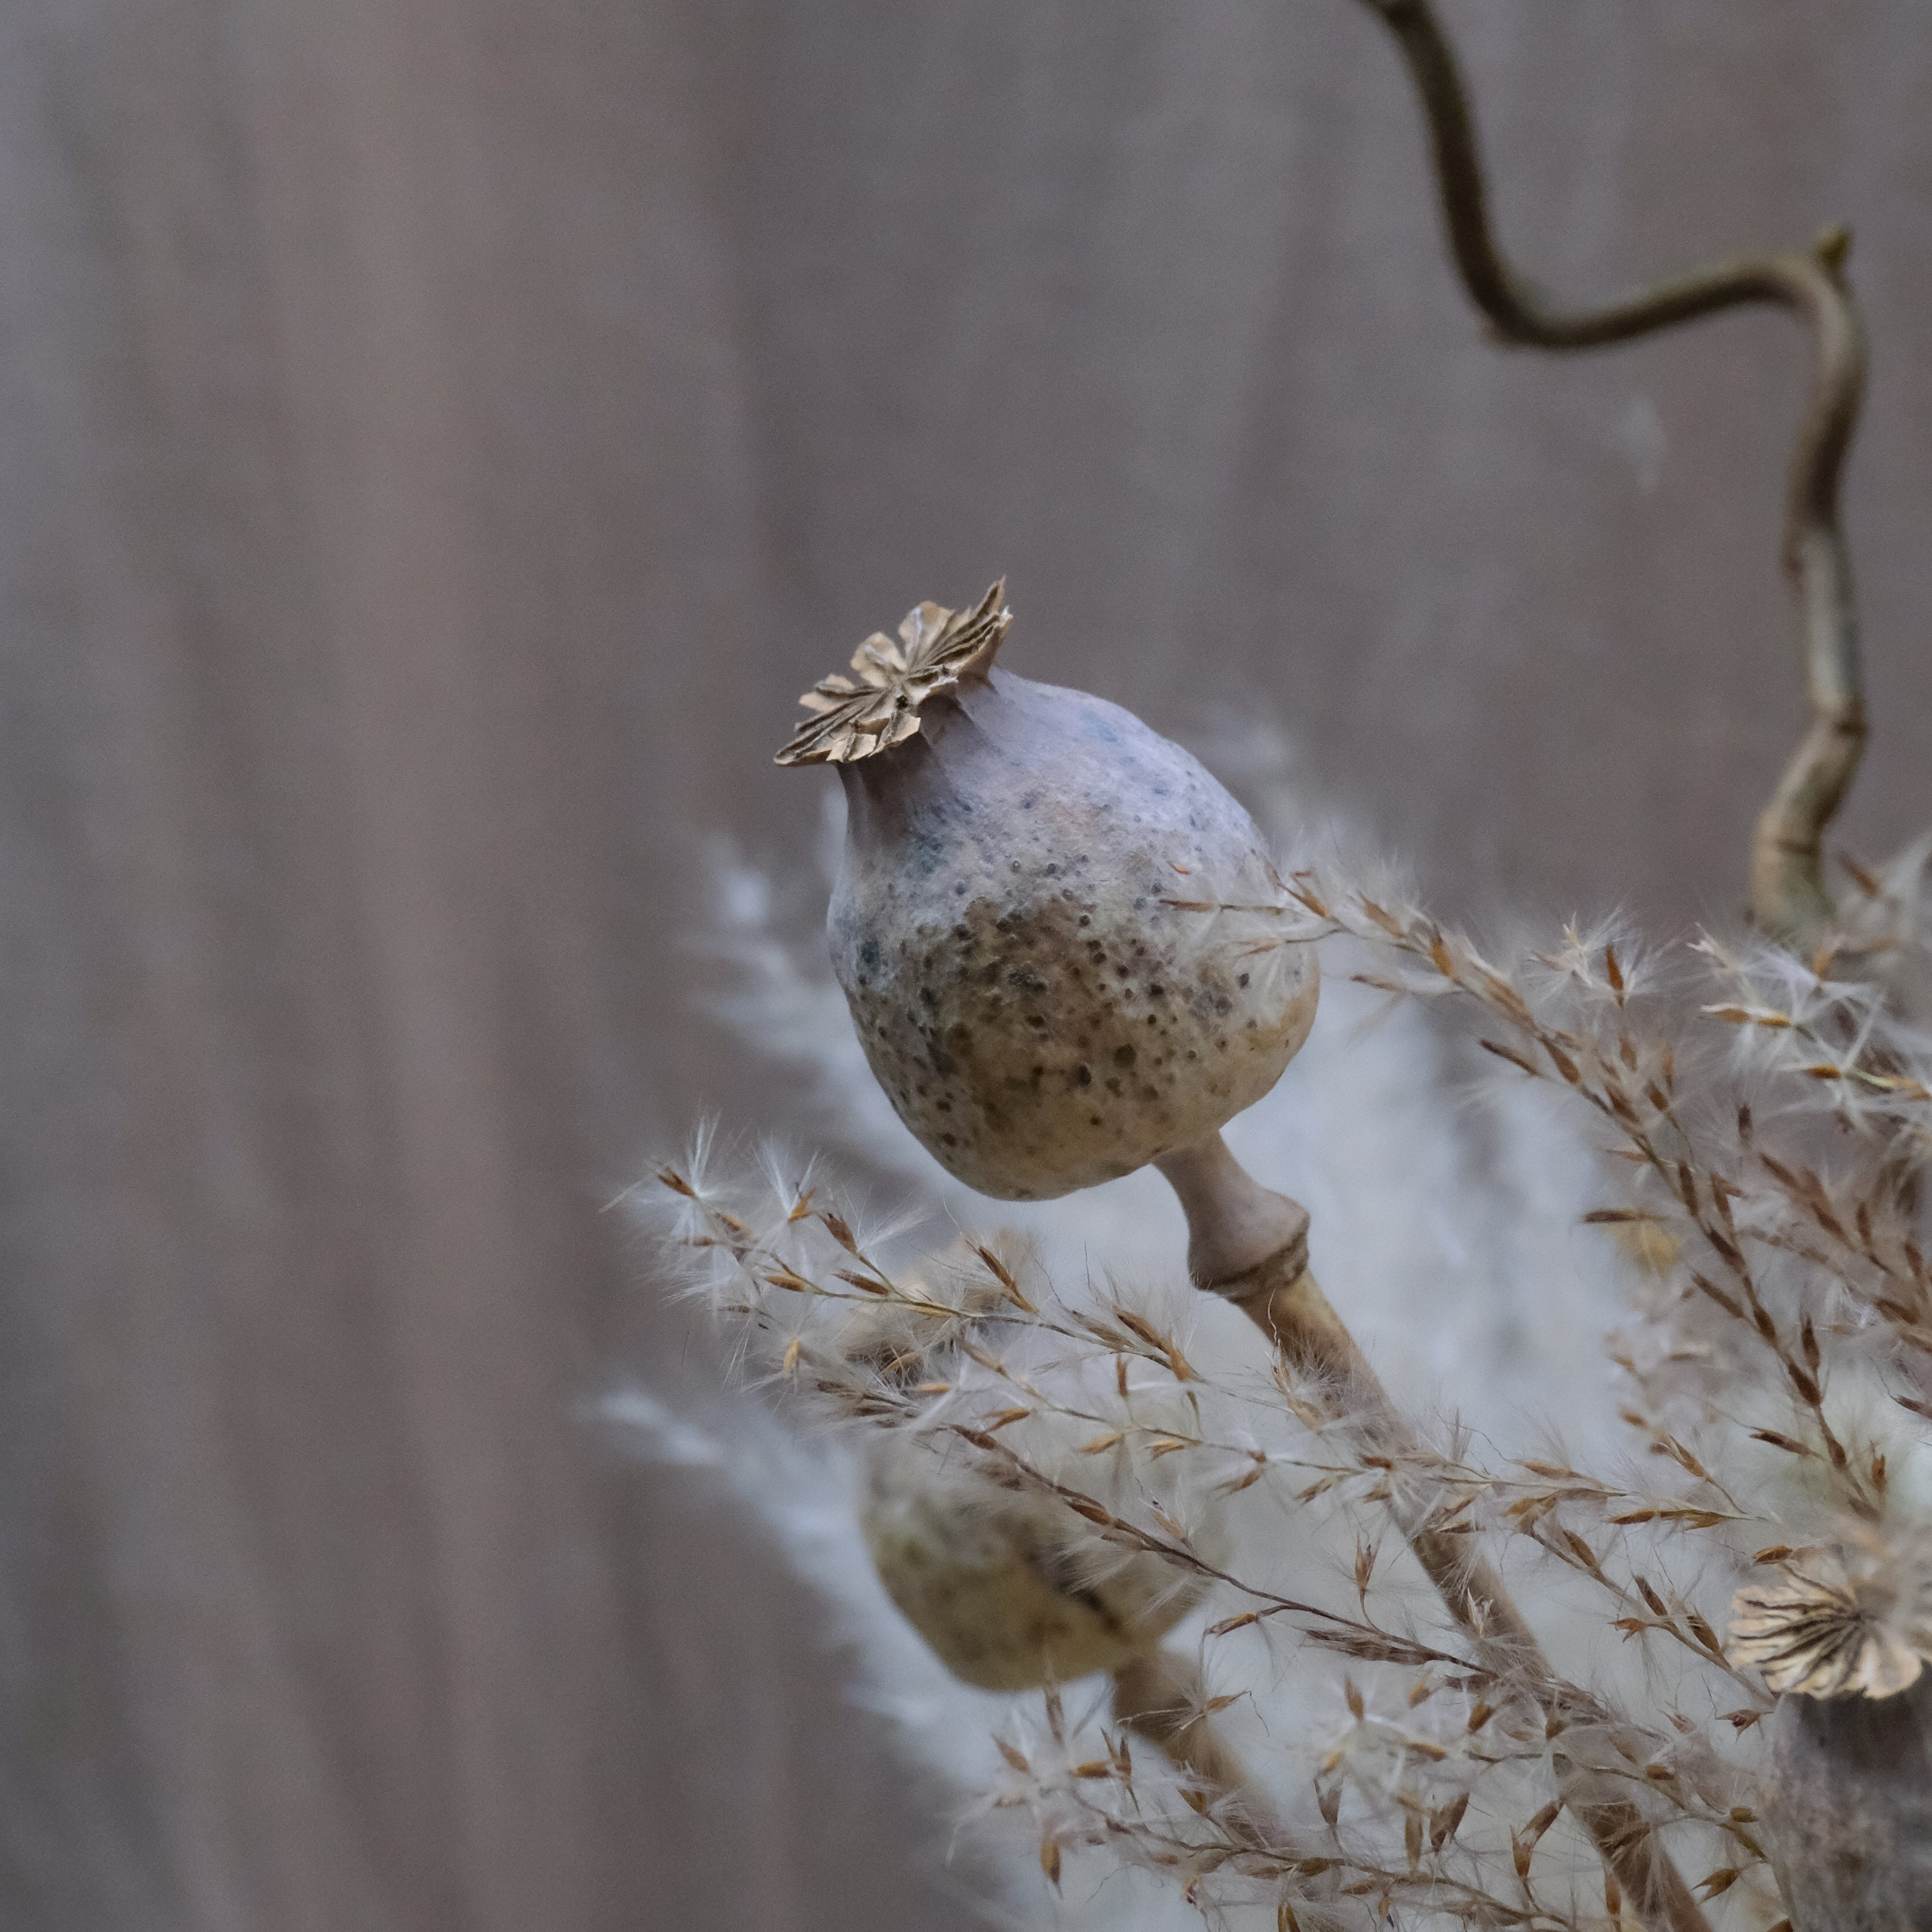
1061	939
1847	1786
1010	1588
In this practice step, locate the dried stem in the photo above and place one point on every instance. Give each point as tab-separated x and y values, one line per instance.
1788	897
1279	1294
1160	1696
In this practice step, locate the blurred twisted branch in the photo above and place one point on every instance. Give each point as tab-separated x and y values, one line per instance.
1789	900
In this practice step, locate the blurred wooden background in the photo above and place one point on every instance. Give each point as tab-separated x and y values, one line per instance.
440	436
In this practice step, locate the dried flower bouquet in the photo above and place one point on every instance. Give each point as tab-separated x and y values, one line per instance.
1069	953
1055	1479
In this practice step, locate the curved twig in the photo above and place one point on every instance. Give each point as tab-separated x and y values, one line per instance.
1788	896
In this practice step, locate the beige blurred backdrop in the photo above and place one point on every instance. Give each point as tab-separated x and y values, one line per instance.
439	437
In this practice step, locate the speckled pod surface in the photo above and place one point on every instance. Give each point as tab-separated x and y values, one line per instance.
1848	1809
1060	939
1010	1589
